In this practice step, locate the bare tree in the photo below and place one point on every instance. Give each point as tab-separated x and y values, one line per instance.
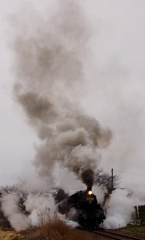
16	190
105	179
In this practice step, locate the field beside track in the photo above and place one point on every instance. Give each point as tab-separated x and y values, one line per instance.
135	230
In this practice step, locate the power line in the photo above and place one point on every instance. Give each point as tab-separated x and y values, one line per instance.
140	174
131	173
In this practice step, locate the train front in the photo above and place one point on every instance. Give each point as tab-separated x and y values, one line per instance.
90	213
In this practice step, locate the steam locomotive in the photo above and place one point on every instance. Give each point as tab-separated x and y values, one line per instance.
86	210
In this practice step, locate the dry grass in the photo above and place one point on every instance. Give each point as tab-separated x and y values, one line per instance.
9	235
57	229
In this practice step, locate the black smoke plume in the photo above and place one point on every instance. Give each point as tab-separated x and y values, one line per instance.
88	178
49	69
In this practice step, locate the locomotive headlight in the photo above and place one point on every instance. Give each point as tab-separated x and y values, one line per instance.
90	192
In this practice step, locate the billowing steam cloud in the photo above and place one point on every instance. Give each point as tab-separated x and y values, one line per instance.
49	79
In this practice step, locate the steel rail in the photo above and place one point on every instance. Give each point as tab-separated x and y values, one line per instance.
115	236
123	235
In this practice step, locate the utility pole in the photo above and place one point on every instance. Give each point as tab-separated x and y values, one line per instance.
112	179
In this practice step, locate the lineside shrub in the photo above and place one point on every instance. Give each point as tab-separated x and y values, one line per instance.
56	229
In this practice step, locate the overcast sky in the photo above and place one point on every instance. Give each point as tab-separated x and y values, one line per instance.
115	92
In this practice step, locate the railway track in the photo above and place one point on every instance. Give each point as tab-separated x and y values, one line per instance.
116	236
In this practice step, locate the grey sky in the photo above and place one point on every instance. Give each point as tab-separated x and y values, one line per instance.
114	94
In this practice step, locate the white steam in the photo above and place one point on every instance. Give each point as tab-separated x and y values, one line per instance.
120	206
119	209
9	205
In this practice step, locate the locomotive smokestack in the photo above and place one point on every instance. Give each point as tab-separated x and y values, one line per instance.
89	188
